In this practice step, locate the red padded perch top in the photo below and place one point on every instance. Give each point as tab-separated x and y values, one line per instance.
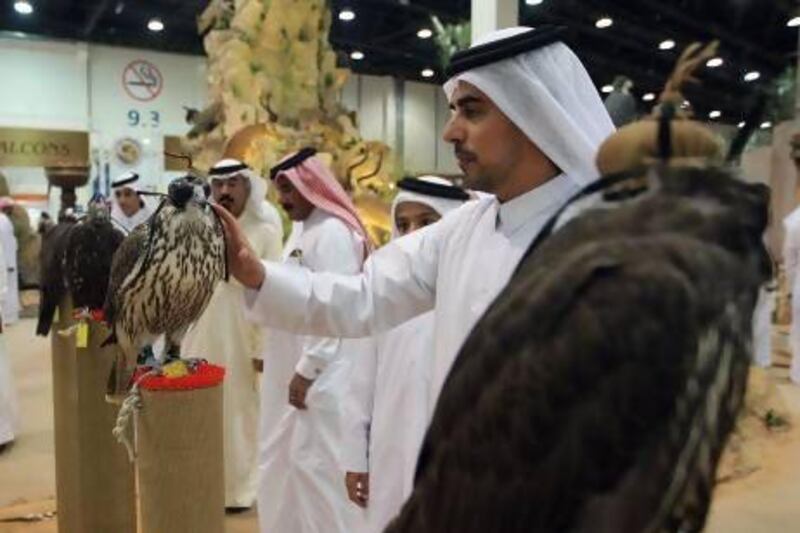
205	376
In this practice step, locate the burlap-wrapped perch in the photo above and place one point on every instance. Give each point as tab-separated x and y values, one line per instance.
95	487
179	453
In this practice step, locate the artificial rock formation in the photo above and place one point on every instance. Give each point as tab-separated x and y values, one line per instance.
274	88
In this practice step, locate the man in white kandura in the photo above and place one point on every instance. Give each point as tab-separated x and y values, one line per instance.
526	123
302	488
223	336
762	314
8	396
791	258
388	403
10	303
128	208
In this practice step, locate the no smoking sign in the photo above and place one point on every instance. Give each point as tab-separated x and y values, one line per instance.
142	80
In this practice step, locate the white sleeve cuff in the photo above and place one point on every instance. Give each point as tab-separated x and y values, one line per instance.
286	288
354	456
309	368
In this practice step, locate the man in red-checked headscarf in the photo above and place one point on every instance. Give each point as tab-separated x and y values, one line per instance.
304	383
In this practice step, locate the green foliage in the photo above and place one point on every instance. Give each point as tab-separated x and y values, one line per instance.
775	421
780	105
783	91
451	38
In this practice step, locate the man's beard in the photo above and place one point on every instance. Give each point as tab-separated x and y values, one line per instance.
479	182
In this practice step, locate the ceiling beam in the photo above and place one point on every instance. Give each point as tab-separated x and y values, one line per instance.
94	18
729	38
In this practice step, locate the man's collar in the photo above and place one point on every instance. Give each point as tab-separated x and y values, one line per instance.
516	212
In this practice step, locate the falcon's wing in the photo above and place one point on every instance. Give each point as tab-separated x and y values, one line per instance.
52	288
125	260
595	394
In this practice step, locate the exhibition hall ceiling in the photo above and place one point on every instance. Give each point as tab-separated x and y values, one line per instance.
640	39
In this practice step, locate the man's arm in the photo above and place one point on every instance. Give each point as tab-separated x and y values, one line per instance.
358	408
398	283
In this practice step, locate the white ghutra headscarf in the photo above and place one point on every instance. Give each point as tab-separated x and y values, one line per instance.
547	93
440	204
256	201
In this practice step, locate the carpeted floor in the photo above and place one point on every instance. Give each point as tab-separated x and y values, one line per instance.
767	501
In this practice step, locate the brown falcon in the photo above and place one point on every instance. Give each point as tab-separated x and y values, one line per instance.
52	286
87	261
597	392
163	276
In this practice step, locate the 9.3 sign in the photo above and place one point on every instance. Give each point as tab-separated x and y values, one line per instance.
144	119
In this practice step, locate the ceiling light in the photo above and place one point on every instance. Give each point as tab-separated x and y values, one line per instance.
425	33
23	7
668	44
427	73
793	22
649	97
714	62
155	25
347	15
741	125
715	114
357	56
607	88
533	2
753	75
766	125
604	22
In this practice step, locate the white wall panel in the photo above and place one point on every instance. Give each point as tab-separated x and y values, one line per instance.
43	84
377	98
445	160
349	96
419	128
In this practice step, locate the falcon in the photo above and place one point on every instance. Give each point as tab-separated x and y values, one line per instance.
597	392
91	244
163	276
52	287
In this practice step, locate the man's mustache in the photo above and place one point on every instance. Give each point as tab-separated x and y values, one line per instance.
225	198
463	153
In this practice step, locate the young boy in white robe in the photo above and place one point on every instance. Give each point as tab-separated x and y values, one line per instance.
389	404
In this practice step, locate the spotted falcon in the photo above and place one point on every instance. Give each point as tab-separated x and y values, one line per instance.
163	276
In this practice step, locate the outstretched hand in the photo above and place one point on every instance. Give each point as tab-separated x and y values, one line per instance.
243	263
298	390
